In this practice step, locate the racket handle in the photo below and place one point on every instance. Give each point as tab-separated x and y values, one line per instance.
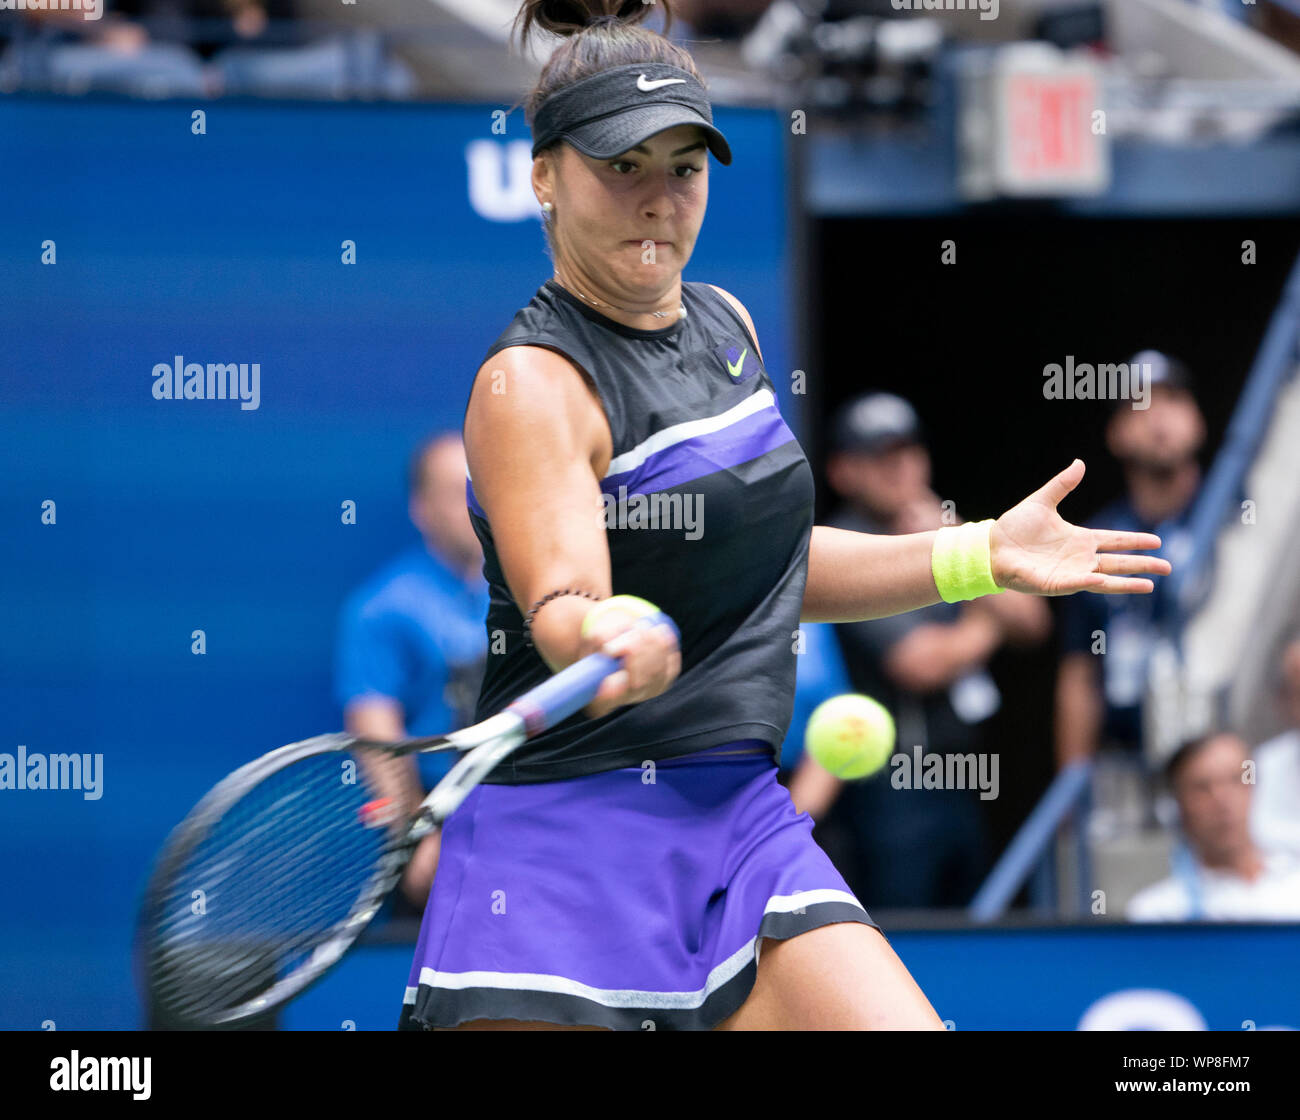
571	689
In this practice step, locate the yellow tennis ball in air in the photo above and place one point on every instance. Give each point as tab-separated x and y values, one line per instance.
852	735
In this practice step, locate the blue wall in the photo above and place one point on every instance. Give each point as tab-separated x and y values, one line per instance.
1150	977
174	516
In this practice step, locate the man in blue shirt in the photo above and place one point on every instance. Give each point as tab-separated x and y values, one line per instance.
1106	639
412	641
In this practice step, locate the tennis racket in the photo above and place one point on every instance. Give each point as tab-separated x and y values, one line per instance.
276	872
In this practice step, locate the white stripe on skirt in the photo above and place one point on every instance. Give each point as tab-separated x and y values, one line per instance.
613	997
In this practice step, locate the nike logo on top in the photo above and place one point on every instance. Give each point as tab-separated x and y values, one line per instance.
737	368
646	85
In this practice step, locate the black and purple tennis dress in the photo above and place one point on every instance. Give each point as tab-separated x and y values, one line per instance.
621	871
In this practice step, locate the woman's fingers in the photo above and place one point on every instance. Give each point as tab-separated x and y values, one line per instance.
650	660
1118	585
1117	571
1112	540
1121	564
1119	574
1055	490
1044	554
611	693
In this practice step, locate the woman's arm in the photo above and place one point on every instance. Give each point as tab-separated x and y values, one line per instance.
853	577
537	442
857	576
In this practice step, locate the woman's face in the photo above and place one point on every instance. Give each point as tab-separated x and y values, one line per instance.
628	224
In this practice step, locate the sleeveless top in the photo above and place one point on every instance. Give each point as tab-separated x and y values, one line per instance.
708	511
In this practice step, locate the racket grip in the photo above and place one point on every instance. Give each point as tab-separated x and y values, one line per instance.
573	688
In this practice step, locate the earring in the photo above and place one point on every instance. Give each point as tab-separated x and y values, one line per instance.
548	207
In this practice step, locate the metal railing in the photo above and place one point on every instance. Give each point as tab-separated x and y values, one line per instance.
1274	365
1033	845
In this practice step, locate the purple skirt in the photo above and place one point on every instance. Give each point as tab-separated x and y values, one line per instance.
633	899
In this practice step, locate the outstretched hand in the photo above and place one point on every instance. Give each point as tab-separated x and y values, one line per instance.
1033	549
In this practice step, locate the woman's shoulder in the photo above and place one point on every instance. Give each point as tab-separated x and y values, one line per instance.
735	303
741	311
534	366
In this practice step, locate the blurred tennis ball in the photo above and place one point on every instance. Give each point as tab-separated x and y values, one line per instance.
851	735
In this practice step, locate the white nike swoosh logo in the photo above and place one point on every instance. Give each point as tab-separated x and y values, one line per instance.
645	85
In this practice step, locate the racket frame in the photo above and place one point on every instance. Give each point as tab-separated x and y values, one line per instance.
483	746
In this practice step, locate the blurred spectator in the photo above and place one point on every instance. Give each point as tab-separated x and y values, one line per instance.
914	847
1275	820
412	643
722	19
206	26
63	52
198	48
1220	873
1106	639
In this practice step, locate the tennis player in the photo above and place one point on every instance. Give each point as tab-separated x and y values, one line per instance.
639	866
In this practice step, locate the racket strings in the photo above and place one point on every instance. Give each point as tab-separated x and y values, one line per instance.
273	880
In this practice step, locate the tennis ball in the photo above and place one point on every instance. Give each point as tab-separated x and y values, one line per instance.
630	603
851	735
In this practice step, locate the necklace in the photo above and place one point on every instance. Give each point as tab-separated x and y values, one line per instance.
680	313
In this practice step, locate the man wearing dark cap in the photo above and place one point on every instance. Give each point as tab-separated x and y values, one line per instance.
1106	639
913	848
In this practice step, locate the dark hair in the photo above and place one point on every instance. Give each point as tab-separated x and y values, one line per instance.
599	35
1189	748
602	34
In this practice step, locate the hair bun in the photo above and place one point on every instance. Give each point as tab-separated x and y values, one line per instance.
570	17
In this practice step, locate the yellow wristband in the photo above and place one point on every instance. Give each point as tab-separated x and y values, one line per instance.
960	562
629	603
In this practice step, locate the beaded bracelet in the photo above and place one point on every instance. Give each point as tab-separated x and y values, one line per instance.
528	617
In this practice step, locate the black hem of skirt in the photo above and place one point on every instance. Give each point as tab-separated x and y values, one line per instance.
460	1005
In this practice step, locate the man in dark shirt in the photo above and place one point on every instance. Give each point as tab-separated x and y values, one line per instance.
1106	639
914	847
